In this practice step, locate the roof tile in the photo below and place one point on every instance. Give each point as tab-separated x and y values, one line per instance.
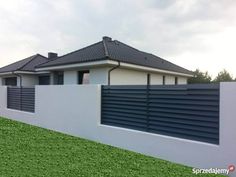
118	51
27	64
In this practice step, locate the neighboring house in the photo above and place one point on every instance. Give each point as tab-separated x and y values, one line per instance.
106	62
23	72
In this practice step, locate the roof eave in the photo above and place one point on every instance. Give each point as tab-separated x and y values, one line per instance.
5	73
22	72
76	65
111	62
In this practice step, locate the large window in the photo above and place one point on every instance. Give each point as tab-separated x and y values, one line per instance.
44	80
10	81
59	78
83	77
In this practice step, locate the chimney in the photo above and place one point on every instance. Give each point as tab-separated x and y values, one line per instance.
52	55
105	38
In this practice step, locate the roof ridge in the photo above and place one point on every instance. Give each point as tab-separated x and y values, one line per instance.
41	55
68	53
105	47
32	58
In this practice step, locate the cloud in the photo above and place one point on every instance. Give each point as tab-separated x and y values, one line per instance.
191	33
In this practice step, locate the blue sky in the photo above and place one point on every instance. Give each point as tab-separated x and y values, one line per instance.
191	33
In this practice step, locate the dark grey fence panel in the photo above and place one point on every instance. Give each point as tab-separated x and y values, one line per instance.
125	107
185	111
22	99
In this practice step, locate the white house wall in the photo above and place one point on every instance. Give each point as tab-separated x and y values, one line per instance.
182	80
28	80
119	76
51	78
123	76
128	77
99	75
70	77
18	81
156	79
170	80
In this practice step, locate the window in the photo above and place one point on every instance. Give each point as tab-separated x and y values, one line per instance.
83	77
59	78
44	80
164	80
148	79
10	81
176	80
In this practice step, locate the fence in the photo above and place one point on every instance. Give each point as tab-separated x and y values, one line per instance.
21	98
76	110
185	111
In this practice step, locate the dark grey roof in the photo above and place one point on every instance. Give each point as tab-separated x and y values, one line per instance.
124	53
91	53
118	51
27	64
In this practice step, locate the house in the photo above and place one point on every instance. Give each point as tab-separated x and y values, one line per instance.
108	62
23	72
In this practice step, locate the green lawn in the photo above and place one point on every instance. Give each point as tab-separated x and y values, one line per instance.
30	151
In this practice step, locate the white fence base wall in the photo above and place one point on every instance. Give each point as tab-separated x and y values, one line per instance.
76	110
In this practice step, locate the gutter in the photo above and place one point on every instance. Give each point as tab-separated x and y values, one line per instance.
110	70
110	61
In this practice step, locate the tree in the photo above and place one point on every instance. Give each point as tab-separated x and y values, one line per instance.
223	76
200	77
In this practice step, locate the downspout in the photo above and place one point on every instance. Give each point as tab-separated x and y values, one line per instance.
110	70
105	40
13	72
18	69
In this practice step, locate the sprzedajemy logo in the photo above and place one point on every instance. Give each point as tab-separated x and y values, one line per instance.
228	170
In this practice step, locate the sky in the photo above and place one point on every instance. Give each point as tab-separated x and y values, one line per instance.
190	33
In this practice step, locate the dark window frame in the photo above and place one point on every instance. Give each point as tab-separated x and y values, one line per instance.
10	81
59	78
163	80
176	81
44	79
81	75
148	79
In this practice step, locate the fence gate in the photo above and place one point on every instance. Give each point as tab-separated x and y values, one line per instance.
185	111
21	98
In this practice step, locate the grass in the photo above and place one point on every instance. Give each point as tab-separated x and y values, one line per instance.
30	151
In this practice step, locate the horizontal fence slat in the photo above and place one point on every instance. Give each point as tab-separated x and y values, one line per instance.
185	121
185	107
185	111
183	116
184	102
121	114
